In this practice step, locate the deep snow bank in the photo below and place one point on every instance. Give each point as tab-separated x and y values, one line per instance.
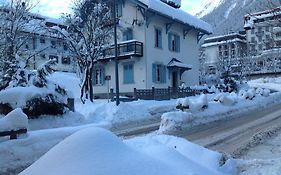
97	151
177	121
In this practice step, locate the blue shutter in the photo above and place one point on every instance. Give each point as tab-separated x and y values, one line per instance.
94	77
163	74
128	73
177	43
154	73
160	39
130	34
102	76
170	41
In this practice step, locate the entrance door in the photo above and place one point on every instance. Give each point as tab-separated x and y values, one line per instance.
175	79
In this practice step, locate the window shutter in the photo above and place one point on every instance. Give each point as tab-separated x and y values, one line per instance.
102	76
163	74
160	39
177	43
170	41
94	77
154	73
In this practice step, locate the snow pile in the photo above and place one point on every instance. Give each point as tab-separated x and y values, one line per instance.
13	121
194	105
18	96
230	106
199	103
227	99
97	151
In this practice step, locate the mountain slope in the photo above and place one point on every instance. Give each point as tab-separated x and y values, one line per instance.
228	15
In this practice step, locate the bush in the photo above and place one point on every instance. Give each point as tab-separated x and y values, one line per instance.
47	105
5	108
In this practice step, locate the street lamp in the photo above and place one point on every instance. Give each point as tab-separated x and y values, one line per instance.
116	53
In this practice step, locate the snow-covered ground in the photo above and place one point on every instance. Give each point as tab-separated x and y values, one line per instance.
46	132
97	151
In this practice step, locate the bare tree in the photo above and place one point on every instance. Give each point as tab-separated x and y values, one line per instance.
88	34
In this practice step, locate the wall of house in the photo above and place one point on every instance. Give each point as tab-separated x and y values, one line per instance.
188	52
143	66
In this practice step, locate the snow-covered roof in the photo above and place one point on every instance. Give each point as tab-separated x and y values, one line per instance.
176	63
178	15
222	39
251	19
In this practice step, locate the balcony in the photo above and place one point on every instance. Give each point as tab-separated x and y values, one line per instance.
125	50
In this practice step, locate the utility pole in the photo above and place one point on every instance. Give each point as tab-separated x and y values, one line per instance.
116	54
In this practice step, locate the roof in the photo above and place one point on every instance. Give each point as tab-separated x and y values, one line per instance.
174	63
251	19
178	15
222	39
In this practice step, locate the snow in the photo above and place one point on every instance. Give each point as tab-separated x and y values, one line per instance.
14	120
18	96
98	151
229	10
174	121
177	14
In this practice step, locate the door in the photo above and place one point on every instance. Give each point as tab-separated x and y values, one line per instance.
175	79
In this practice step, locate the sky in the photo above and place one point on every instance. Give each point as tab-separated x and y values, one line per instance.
54	8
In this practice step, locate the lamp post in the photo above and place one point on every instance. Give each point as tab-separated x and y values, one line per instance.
116	54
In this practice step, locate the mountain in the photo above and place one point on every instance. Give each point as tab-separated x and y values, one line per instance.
227	16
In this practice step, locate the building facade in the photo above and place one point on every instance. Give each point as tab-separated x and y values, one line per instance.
222	49
158	47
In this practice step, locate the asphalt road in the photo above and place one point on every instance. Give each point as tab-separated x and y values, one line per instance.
231	135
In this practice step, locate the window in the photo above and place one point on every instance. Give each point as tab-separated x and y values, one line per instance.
65	60
65	47
253	40
43	56
128	34
52	57
174	42
260	38
260	47
253	31
128	73
158	38
42	41
98	76
119	8
267	28
27	46
159	73
53	44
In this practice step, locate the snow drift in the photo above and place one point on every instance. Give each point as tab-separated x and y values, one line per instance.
97	151
13	121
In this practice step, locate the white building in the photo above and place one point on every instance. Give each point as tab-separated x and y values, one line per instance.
40	42
263	30
263	33
224	48
158	45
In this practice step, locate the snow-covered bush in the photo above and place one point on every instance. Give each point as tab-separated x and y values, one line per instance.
251	94
266	92
217	97
194	105
183	103
35	95
243	94
228	99
199	103
259	91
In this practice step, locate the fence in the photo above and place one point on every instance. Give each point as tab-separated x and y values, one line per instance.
159	93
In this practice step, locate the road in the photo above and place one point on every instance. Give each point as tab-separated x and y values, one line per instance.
231	135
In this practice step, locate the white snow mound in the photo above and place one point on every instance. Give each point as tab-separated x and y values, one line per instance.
16	119
98	151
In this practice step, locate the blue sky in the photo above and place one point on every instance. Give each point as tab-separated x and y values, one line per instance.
54	8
